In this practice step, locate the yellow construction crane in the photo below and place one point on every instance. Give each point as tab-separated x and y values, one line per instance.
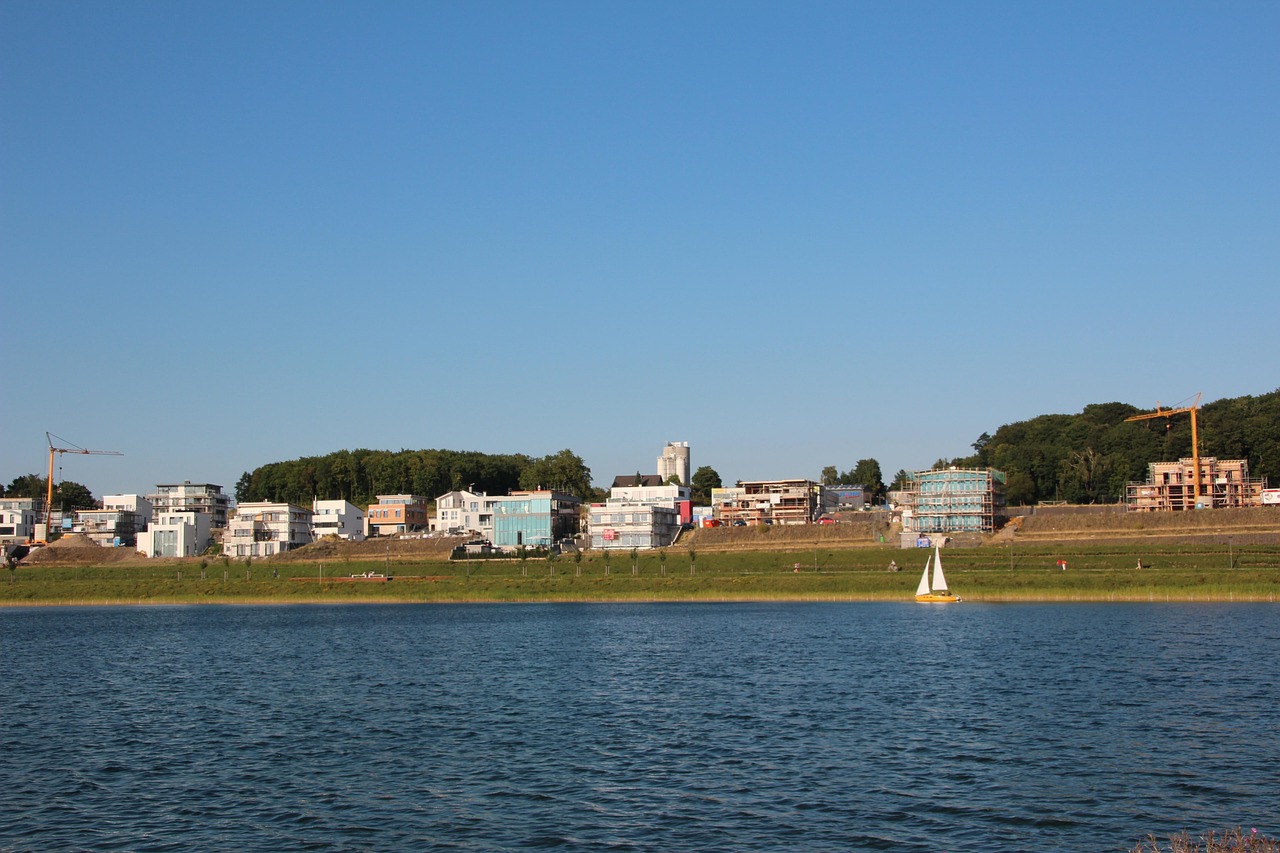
48	504
1195	438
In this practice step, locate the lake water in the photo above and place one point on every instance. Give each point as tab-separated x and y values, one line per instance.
636	727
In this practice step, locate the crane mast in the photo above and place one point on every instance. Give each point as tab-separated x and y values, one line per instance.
54	450
1195	438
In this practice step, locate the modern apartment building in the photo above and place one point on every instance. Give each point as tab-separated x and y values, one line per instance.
770	502
533	519
176	533
394	514
18	519
623	525
192	497
263	528
463	512
337	518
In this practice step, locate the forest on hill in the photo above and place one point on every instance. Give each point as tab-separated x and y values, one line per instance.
1090	456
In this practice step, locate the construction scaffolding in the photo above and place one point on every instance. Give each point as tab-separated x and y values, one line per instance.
955	500
771	502
1173	486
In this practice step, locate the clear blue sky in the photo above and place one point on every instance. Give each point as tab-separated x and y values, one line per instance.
792	234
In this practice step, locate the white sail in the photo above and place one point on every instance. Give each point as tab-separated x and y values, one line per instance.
923	588
939	582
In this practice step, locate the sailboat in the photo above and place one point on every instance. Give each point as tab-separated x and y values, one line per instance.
937	590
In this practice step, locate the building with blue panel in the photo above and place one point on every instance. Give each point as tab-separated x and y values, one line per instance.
955	500
536	519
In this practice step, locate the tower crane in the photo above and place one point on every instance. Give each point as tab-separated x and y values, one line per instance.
1195	438
53	449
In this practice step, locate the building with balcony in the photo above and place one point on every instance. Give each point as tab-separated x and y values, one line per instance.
533	519
260	529
1171	486
117	523
176	533
337	518
770	502
463	513
18	519
395	514
192	497
622	525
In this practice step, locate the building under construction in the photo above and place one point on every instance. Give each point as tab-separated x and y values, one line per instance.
954	500
770	502
1172	486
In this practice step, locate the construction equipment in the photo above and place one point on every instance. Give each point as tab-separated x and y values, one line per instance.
1195	437
48	504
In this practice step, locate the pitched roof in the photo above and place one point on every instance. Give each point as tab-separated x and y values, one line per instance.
630	480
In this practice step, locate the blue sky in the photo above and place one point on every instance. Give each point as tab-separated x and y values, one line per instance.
792	234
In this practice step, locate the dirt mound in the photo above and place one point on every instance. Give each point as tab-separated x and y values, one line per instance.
76	549
436	548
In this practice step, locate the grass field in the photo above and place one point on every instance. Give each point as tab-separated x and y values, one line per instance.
1094	573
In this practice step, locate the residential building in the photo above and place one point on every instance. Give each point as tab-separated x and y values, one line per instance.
771	502
337	518
18	519
463	512
533	519
679	498
394	514
118	521
954	500
263	528
192	497
623	525
176	533
674	462
1171	486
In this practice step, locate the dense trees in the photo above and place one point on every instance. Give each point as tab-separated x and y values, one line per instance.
360	476
865	473
67	495
1090	456
704	480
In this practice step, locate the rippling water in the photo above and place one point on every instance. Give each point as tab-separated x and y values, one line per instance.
685	727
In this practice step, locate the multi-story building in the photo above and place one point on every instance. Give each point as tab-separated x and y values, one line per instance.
18	519
337	518
176	533
770	502
533	519
263	528
674	462
117	523
463	512
192	497
679	498
623	525
954	500
394	514
835	498
1172	486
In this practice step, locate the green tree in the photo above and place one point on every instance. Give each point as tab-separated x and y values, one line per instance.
901	481
704	480
867	474
564	471
830	475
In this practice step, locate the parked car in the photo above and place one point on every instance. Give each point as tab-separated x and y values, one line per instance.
826	521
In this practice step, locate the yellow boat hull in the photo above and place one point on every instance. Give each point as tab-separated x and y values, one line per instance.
933	596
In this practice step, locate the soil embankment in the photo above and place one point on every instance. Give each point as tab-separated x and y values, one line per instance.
1110	524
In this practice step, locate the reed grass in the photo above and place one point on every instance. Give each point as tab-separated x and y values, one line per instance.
1229	841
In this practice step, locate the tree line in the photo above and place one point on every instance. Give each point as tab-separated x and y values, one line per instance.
1089	457
359	476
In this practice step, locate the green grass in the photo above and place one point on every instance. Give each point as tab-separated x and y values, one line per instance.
1094	573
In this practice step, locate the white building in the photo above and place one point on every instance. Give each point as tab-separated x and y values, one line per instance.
192	497
337	518
18	519
668	496
260	529
623	525
176	534
117	523
464	512
674	462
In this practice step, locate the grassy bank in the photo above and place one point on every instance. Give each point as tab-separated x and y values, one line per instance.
1097	573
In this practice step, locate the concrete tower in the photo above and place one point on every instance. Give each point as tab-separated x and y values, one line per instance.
675	461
